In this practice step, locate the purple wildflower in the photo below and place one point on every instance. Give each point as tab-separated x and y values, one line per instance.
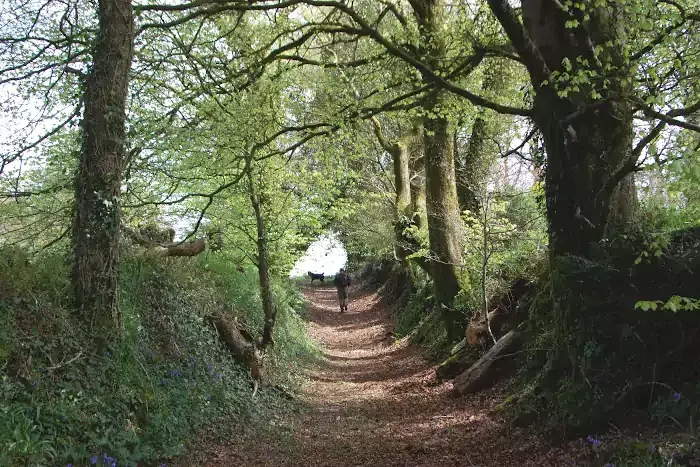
93	460
677	396
594	442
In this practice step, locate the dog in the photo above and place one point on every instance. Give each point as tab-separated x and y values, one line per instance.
316	276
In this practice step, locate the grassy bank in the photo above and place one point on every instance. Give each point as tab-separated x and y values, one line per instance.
145	399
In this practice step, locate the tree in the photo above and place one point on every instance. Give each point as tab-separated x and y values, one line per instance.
96	222
444	224
579	61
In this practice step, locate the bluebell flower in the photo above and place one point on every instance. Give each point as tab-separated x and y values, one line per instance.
93	460
677	396
595	442
69	465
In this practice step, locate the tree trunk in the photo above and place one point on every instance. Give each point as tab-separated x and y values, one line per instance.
239	343
470	170
588	142
402	177
473	168
444	222
263	267
486	371
417	171
96	221
192	248
405	207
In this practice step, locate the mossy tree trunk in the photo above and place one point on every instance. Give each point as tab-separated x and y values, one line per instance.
405	214
400	154
588	140
585	187
444	222
95	232
263	264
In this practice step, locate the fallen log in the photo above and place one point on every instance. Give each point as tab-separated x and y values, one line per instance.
157	249
456	363
242	348
507	314
486	370
192	248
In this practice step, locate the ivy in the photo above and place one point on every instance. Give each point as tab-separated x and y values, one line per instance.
674	304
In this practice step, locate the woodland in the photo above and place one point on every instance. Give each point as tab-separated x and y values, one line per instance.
517	180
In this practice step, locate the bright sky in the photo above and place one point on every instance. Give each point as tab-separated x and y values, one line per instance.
325	255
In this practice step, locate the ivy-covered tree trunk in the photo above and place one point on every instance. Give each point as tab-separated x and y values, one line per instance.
444	222
95	234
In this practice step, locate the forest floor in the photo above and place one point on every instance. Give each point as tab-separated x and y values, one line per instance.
375	402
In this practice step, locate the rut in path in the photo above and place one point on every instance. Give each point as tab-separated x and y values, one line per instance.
376	403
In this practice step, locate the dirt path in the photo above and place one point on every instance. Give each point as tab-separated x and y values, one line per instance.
375	403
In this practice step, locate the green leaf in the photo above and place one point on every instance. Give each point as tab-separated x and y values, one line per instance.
567	63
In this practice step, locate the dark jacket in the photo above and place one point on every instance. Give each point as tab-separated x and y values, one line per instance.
342	279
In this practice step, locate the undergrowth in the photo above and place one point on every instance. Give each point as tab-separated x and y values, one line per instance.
166	378
595	361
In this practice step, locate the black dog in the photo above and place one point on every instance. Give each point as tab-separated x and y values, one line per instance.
316	276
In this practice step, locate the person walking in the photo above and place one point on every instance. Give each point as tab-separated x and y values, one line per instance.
342	282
